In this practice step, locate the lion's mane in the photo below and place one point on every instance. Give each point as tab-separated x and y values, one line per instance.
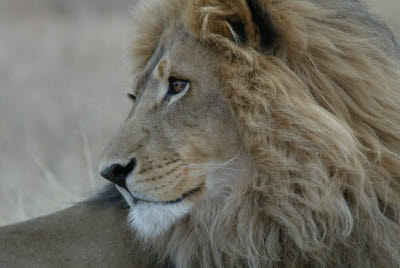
318	109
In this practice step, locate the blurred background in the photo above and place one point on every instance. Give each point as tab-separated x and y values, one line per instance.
64	75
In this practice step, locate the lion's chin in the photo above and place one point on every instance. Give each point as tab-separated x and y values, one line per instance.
150	220
153	219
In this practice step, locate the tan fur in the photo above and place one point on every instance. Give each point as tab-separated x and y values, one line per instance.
319	120
85	235
294	147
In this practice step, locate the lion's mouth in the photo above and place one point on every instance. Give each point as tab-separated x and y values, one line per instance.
136	200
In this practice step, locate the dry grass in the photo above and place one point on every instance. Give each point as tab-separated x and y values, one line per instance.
63	78
64	75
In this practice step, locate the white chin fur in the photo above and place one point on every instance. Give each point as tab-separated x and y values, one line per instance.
151	220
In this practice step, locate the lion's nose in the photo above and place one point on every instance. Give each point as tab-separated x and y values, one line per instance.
117	174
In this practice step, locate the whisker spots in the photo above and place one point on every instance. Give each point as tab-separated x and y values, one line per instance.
172	162
142	171
155	178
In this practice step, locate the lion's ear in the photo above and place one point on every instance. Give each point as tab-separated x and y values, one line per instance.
244	22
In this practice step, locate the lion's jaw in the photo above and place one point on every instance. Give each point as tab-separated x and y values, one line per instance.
151	219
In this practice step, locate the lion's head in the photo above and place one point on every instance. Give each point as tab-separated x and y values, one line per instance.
179	130
262	132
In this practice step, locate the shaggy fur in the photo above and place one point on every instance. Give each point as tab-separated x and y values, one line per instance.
318	110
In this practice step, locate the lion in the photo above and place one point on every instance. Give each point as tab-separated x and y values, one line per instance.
263	133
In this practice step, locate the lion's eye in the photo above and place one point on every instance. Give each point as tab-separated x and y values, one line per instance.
132	97
176	86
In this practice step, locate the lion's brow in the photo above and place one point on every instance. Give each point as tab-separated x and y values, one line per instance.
144	76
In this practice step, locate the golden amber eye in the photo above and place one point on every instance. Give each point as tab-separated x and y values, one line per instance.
176	86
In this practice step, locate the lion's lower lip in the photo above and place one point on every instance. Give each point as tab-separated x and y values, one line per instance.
180	199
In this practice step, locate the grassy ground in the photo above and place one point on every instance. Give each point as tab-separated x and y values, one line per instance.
63	76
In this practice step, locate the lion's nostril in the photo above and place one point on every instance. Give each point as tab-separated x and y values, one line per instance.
117	174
